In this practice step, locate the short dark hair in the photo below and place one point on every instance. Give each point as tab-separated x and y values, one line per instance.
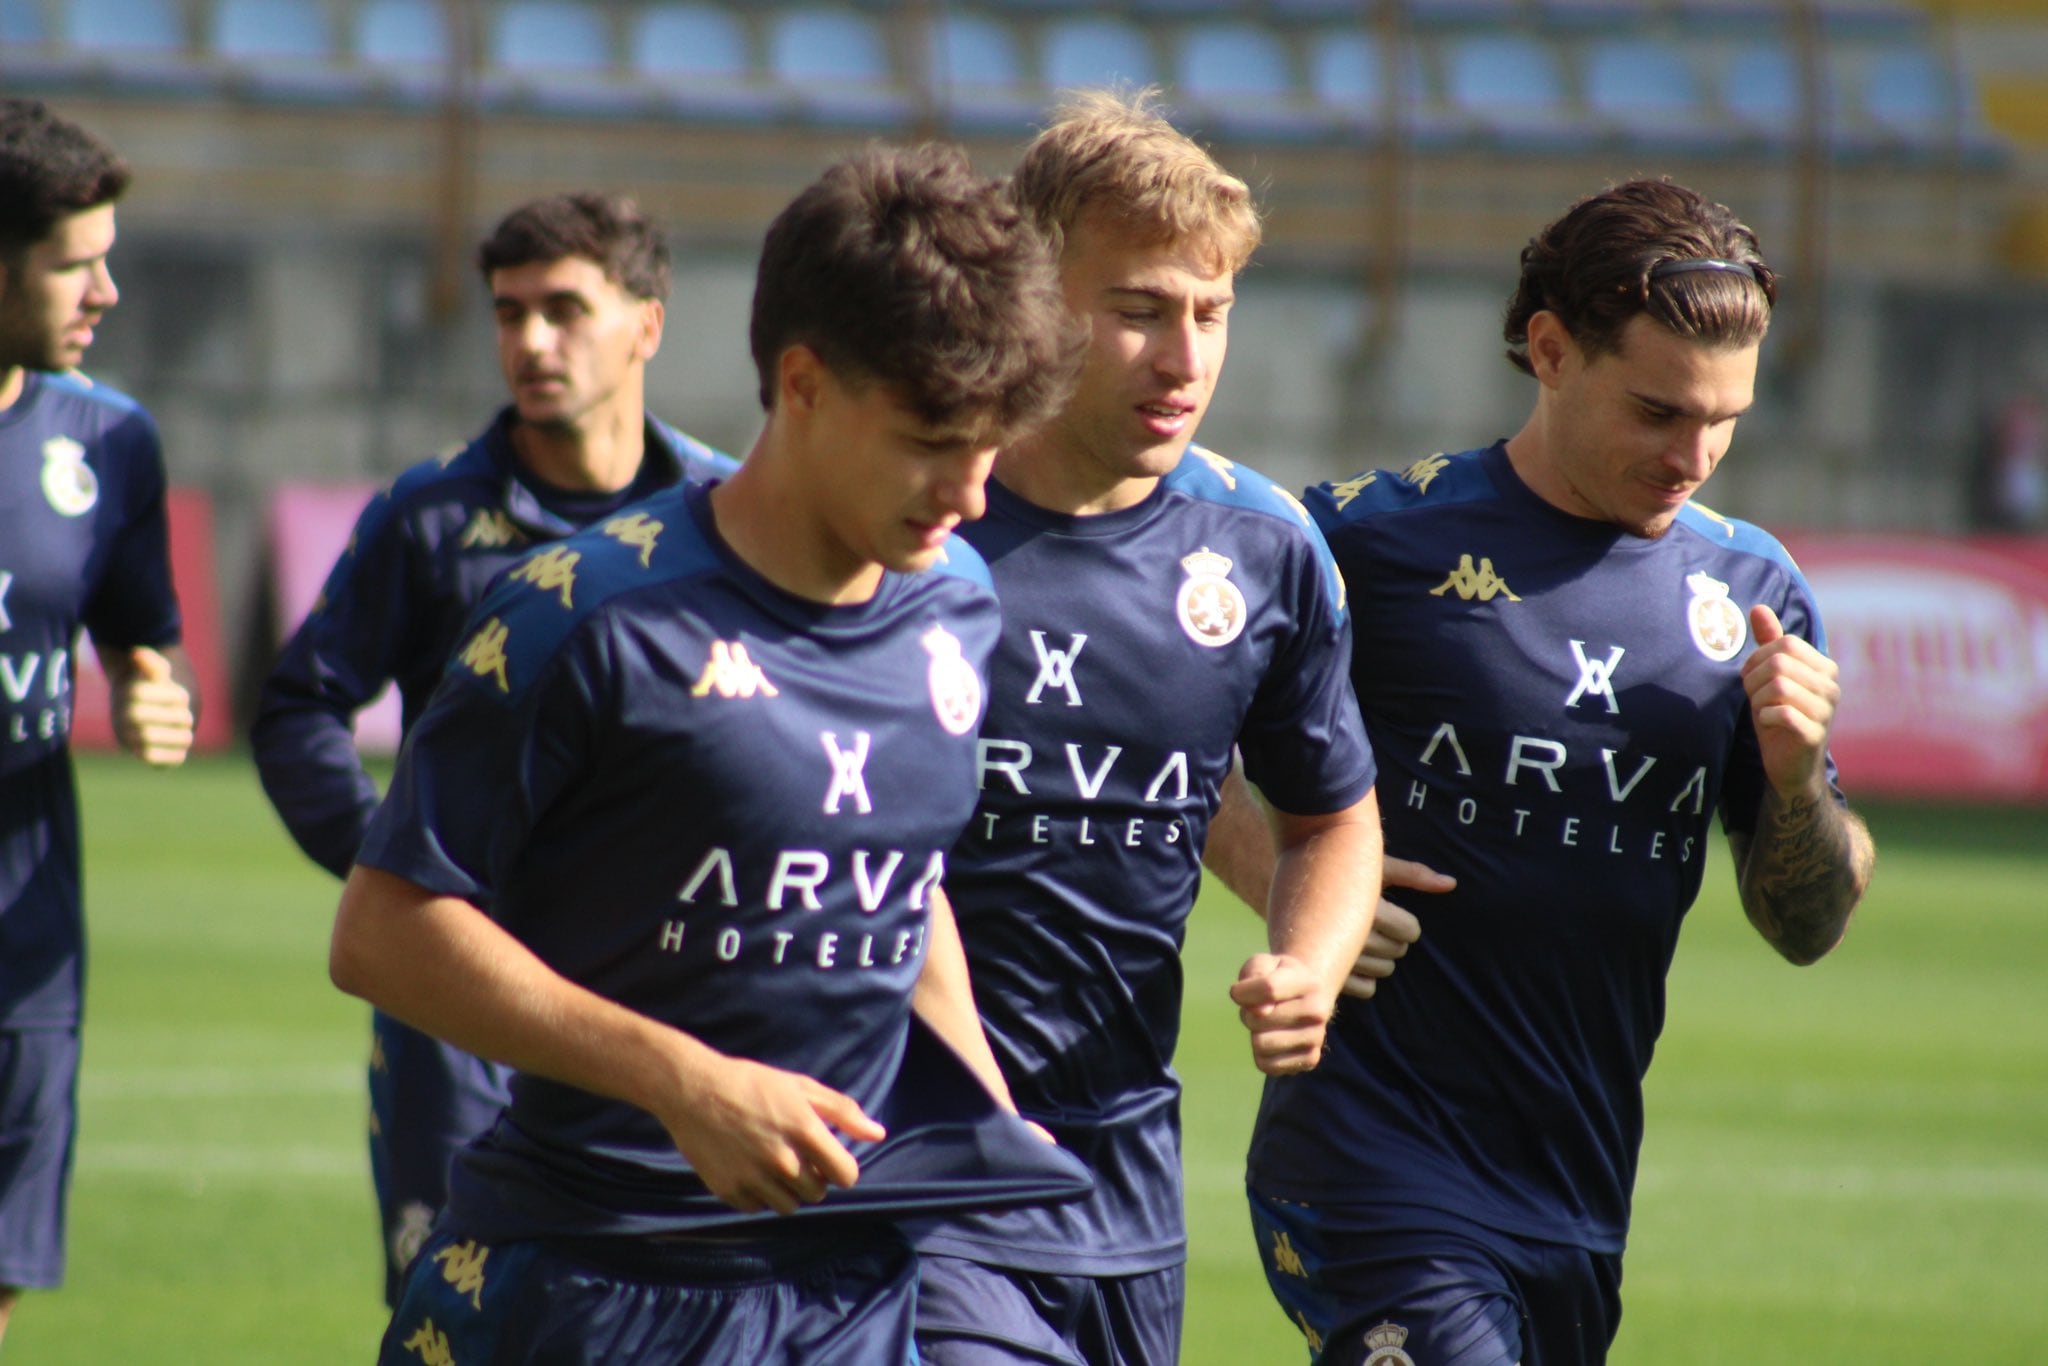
1610	256
608	229
903	266
50	168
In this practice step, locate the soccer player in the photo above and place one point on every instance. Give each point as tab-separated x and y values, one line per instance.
668	839
1566	666
83	541
577	282
1161	607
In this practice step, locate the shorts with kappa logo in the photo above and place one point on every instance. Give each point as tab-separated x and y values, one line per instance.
1407	1286
970	1314
842	1294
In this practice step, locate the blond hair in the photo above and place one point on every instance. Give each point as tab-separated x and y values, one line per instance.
1111	152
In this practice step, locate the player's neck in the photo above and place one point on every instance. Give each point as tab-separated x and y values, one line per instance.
1528	454
765	518
12	381
598	455
1061	477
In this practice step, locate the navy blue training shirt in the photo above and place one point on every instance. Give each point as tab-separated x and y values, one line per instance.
83	542
1138	648
1557	712
721	805
418	560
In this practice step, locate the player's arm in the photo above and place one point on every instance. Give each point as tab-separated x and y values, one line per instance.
154	697
335	664
944	999
1316	926
1241	852
758	1136
1806	864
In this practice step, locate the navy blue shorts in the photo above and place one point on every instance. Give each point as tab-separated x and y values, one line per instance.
427	1099
1400	1285
969	1314
38	1128
841	1294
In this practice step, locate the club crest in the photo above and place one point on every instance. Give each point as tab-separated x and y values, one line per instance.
1718	625
68	482
1385	1342
956	688
1211	608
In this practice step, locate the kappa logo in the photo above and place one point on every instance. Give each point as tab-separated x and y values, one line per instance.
732	672
462	1266
489	529
1596	676
1055	669
1217	463
1345	490
430	1345
1308	1333
1293	505
1385	1342
955	687
849	772
1423	471
1469	582
484	656
636	531
551	570
1286	1260
1211	608
1718	626
68	482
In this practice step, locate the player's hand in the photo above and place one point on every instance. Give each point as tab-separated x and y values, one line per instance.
1287	1010
762	1138
1793	693
152	711
1394	928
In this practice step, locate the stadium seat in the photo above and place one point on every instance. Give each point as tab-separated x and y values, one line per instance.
1508	87
1096	52
695	56
977	73
689	42
1649	92
549	35
22	24
402	33
255	29
1760	86
1346	74
124	25
834	63
1237	79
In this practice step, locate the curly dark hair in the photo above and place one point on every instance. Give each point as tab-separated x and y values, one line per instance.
1612	256
902	265
50	168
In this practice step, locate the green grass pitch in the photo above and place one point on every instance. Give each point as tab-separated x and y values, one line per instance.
1845	1164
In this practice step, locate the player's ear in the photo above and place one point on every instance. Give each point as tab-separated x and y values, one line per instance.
653	316
1551	346
799	379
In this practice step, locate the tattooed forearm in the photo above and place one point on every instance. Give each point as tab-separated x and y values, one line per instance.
1804	872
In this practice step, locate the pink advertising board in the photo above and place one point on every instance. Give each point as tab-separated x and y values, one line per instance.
1943	647
309	527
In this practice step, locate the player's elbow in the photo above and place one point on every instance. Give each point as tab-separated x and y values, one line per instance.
352	959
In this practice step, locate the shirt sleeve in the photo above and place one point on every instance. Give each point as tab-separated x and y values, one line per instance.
134	601
335	664
507	732
1304	742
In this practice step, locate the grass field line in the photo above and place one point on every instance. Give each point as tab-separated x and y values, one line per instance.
210	1081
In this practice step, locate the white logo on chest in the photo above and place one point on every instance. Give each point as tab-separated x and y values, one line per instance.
68	482
849	778
1055	669
1596	676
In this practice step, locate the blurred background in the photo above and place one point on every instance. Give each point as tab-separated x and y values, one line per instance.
300	306
1849	1168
